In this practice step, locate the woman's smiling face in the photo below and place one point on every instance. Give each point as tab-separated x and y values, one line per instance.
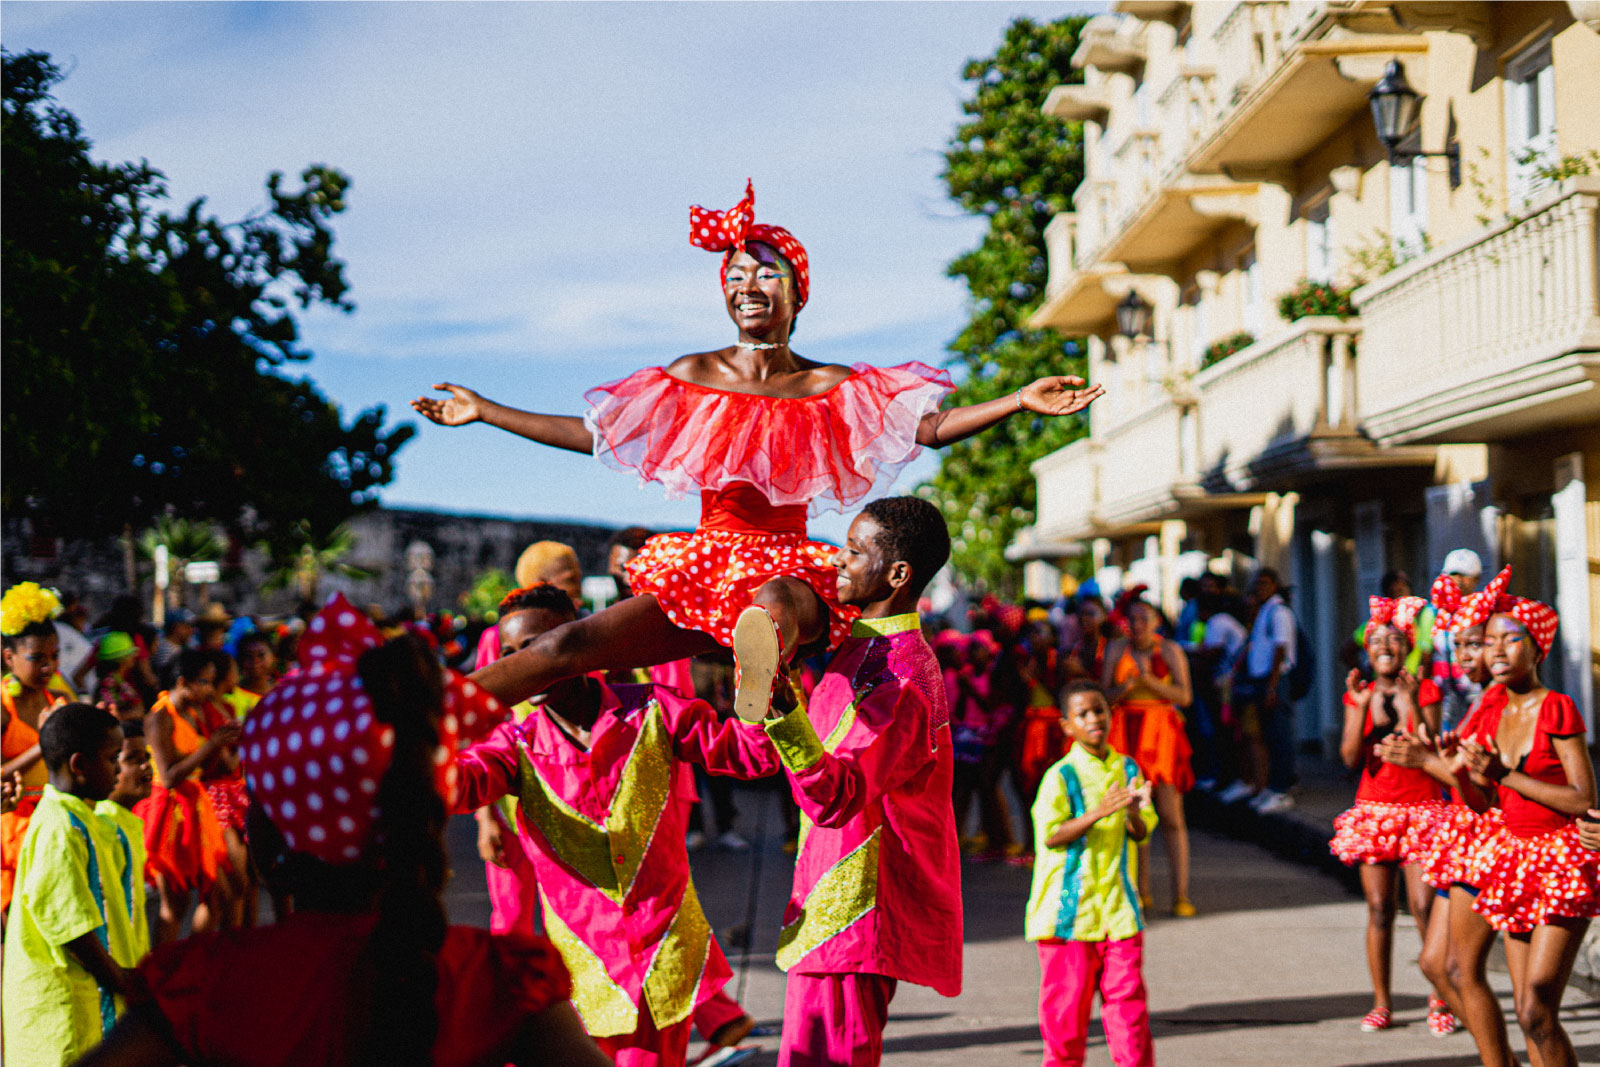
759	289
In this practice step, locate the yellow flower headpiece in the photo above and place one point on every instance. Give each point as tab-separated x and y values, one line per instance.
25	604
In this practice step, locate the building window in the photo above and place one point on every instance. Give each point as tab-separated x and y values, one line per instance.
1530	120
1319	243
1408	201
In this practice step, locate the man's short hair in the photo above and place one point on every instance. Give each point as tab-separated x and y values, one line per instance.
1082	685
911	529
541	596
73	729
631	537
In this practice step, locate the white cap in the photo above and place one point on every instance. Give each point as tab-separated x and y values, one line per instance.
1463	561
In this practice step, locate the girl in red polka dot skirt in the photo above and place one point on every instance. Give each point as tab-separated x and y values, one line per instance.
1396	807
1455	949
766	437
1537	883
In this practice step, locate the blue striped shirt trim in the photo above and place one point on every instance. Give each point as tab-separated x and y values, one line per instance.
108	1004
1130	771
1072	872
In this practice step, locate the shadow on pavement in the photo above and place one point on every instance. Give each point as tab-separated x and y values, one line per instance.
1277	1011
949	1039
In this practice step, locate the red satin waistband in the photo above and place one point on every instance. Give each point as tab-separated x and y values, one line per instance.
742	508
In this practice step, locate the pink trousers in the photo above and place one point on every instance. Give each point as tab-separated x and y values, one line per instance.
718	1011
1071	973
834	1020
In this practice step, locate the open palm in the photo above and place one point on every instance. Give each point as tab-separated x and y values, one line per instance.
459	408
1059	394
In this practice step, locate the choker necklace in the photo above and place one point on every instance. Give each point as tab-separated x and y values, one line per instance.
761	345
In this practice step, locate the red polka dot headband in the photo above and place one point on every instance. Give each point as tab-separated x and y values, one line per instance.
1539	619
314	752
1400	612
728	231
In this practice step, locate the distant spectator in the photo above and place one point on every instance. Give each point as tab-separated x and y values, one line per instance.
1264	713
1465	569
1224	638
553	562
212	626
77	651
1087	657
176	633
117	657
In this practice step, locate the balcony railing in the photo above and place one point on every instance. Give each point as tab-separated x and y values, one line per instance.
1494	323
1140	465
1264	401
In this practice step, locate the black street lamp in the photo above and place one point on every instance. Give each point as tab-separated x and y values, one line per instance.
1133	315
1395	107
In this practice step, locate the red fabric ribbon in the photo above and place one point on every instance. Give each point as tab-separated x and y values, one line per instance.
314	752
1400	612
1446	598
728	231
1539	619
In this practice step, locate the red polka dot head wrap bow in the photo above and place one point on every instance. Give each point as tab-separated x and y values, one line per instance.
314	752
1401	613
1539	619
728	231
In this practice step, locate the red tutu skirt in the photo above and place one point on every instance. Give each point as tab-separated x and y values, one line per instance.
1043	742
231	800
182	835
1448	849
1374	832
1151	731
703	580
1525	882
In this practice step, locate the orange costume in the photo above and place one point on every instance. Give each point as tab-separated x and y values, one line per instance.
15	739
1151	730
182	833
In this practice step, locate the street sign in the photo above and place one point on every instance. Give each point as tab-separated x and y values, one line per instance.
202	573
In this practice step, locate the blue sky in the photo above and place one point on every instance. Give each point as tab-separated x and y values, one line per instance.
521	181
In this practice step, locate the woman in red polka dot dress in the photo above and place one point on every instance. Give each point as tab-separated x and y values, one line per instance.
1536	882
765	436
1396	808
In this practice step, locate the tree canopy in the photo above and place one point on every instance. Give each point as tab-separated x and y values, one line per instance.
1017	168
146	353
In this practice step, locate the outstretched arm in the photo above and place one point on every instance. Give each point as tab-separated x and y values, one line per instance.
465	406
1056	395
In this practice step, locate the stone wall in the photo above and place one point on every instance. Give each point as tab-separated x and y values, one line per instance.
463	546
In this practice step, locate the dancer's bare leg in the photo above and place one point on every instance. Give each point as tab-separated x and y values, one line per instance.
1549	956
632	633
1466	960
1378	886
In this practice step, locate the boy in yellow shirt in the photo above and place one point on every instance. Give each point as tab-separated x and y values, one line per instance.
69	938
1084	913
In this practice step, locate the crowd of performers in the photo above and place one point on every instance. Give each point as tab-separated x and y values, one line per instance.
577	740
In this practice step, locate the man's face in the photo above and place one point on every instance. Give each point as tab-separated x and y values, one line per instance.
255	658
862	571
616	566
1264	588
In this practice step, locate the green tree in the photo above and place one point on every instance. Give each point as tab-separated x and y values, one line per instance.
186	542
312	556
146	353
1017	168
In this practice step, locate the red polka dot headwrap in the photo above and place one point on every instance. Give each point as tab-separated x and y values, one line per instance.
728	231
1400	612
1539	619
314	752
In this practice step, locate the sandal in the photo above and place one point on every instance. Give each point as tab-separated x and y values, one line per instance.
1182	909
757	656
1377	1019
1441	1020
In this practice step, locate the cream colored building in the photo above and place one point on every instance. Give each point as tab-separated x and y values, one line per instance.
1231	153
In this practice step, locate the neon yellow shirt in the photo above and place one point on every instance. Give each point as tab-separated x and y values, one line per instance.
130	831
69	883
242	701
1085	891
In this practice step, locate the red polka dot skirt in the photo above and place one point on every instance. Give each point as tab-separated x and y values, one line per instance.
1448	849
1374	832
1525	882
703	580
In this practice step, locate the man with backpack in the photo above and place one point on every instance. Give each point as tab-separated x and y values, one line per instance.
1263	700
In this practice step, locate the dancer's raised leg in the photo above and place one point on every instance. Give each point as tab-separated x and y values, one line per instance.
786	614
632	633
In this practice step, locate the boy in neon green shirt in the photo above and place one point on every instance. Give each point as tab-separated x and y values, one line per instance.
69	939
133	785
1084	911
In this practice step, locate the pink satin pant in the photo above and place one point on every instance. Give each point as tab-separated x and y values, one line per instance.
1072	972
834	1020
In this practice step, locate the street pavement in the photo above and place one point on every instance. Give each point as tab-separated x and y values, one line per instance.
1270	973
